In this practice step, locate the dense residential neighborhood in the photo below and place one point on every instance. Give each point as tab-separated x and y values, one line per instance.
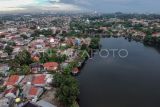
40	55
34	55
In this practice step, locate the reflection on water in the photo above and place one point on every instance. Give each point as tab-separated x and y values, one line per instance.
133	81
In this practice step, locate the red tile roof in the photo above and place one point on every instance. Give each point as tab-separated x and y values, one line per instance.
75	70
51	64
33	91
39	79
12	80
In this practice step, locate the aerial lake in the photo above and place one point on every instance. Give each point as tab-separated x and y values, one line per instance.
113	81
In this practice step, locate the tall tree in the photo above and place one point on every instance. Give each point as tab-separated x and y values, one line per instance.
23	58
68	89
8	49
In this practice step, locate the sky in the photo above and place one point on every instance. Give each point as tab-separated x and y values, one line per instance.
107	6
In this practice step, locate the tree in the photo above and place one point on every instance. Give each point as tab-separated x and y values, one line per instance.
147	38
24	36
2	36
11	43
67	70
94	43
36	33
44	58
84	47
159	41
8	49
23	58
68	89
60	58
21	70
25	70
47	32
2	89
58	79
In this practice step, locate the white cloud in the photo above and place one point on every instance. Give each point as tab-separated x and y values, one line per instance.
12	5
54	0
36	5
61	7
15	3
11	9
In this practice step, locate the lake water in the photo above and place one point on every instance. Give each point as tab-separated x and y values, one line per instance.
133	81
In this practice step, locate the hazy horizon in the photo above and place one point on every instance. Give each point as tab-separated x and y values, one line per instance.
105	6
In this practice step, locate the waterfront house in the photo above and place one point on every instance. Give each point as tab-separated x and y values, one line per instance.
156	34
75	70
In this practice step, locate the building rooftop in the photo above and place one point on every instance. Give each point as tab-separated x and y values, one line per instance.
40	79
33	91
12	80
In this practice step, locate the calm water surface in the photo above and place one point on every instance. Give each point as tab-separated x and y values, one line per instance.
117	82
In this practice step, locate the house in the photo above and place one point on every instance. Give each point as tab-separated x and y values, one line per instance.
156	34
35	92
75	71
32	92
86	41
39	80
68	52
11	93
36	67
64	65
53	41
77	42
51	66
35	58
43	103
4	55
38	45
16	50
1	45
13	80
4	68
69	41
23	30
49	79
13	30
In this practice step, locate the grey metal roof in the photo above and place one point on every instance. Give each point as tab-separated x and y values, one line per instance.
45	104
